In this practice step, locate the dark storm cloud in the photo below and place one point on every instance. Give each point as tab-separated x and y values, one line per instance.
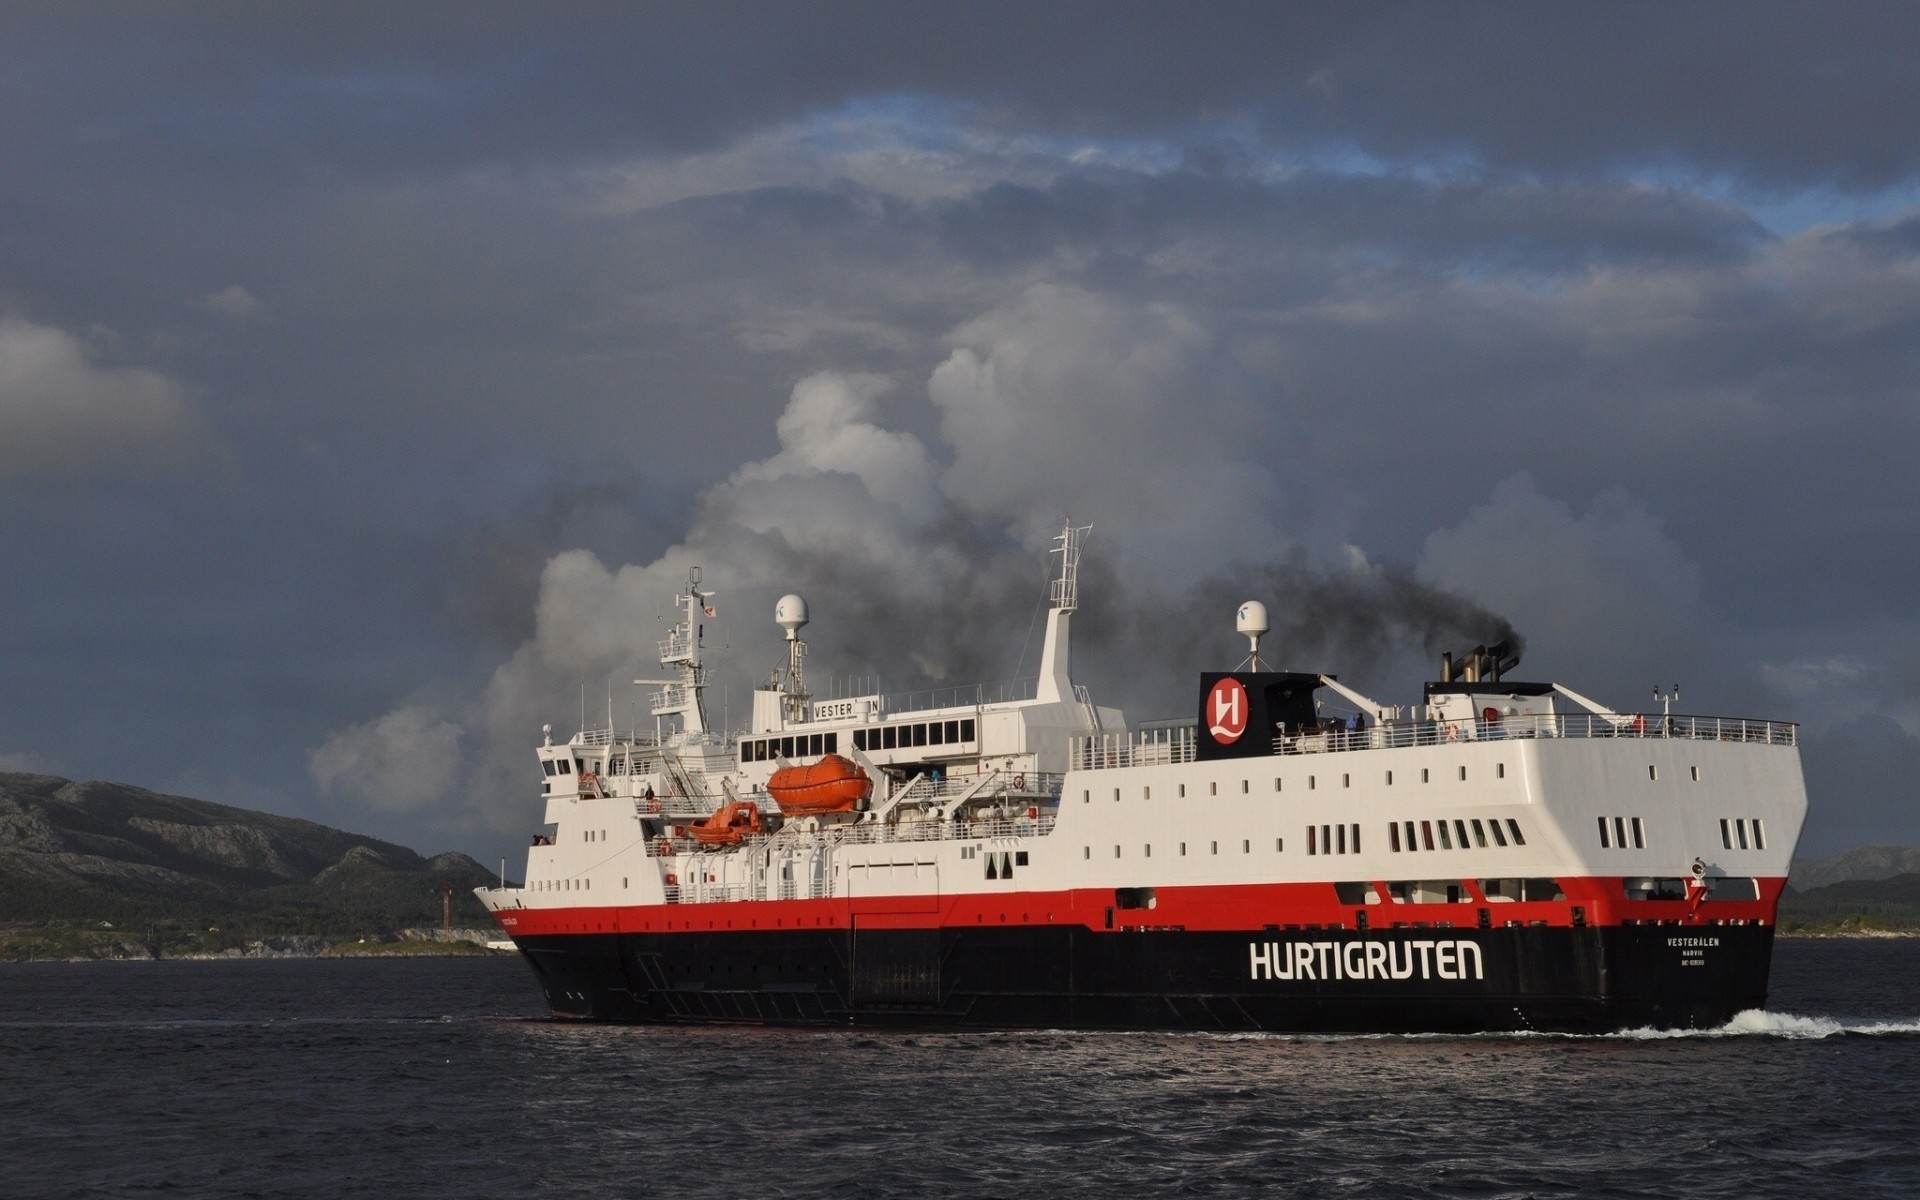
1778	94
487	321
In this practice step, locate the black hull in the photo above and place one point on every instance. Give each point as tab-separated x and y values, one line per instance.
1578	980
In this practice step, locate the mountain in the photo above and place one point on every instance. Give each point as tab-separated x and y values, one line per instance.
112	855
1867	862
1855	904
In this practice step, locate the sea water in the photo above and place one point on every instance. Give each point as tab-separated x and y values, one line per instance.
443	1078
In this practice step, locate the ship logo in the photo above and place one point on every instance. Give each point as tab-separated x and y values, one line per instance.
1227	711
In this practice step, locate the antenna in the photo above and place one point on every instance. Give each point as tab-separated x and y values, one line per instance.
1251	622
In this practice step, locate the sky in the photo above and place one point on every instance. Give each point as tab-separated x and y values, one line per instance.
371	376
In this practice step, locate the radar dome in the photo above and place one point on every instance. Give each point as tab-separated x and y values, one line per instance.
1251	620
790	613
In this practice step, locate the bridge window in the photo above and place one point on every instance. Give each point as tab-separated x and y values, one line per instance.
966	730
934	732
919	735
953	732
889	736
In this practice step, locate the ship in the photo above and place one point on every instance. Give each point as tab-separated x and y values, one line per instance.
1294	856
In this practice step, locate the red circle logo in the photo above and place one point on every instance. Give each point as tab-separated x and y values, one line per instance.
1227	711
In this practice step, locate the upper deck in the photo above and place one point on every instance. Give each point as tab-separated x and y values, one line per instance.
1177	745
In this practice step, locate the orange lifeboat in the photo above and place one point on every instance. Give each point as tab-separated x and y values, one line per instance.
729	824
832	785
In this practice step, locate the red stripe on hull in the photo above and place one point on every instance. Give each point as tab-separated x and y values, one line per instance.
1596	901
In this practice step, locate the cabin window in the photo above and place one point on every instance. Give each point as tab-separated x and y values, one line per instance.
1343	838
1216	847
1639	836
1479	835
1086	797
1499	839
1147	850
1116	852
1696	773
565	766
1393	836
1740	831
1086	852
1603	833
1389	778
1246	847
1183	791
1116	795
1313	841
1424	776
1620	832
1213	789
1243	787
546	766
1499	770
1426	834
1759	835
786	747
817	744
1460	827
1513	827
859	739
1019	858
1146	793
1183	849
1310	783
1346	780
1653	772
1446	842
1463	773
1279	845
833	743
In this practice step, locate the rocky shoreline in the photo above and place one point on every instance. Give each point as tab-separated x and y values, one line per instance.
71	945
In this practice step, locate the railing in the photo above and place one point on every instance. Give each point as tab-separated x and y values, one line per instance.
1176	745
972	695
877	833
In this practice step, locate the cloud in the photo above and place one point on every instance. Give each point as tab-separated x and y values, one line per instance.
1608	599
233	301
405	761
60	413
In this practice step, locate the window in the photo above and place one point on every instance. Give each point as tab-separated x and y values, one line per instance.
1246	847
1479	835
1310	783
1343	838
1019	858
1393	836
1620	832
1116	795
1499	770
1412	845
1604	844
1116	852
1460	827
1086	797
1759	835
1279	845
1326	839
859	739
1513	827
1446	843
1086	852
546	766
1696	773
1389	778
934	732
1639	837
1183	849
953	732
1424	776
1356	839
1213	789
1726	834
1426	834
1653	772
1243	787
1499	839
1216	847
1346	780
1183	791
919	735
1276	783
1313	840
786	747
966	730
1740	832
1148	851
888	737
566	766
1146	793
1463	773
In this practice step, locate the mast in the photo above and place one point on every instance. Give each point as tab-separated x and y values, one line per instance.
1056	666
683	696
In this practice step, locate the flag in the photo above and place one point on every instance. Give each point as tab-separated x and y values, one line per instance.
707	609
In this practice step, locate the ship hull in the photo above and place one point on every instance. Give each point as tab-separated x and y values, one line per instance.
1436	980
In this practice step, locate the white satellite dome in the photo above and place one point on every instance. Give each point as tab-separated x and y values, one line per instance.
1251	620
790	613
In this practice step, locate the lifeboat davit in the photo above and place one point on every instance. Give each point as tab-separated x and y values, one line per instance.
832	785
729	824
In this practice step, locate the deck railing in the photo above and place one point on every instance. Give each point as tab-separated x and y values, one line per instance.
1177	745
878	833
